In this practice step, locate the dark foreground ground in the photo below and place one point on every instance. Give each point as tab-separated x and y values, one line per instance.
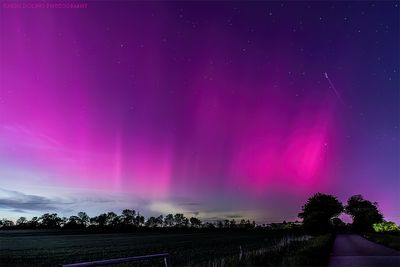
45	248
391	240
354	250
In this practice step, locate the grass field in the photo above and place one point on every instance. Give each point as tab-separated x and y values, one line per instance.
386	239
241	248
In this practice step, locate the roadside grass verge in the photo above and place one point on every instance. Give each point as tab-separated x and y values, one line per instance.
391	240
312	252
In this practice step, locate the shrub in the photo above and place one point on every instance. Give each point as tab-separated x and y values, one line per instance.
385	226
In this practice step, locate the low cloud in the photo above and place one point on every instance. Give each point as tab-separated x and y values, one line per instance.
234	216
190	204
18	201
15	202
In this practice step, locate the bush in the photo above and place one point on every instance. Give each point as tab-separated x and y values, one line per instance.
385	226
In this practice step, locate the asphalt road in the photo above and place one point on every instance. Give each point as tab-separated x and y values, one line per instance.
356	251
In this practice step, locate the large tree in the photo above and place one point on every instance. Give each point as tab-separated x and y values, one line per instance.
318	212
364	213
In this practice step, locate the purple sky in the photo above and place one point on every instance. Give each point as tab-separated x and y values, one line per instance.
217	109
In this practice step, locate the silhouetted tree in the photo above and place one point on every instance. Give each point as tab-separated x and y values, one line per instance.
364	213
5	223
186	222
151	222
245	224
48	220
113	220
179	220
226	223
100	220
159	221
64	221
139	220
194	222
169	220
75	219
209	225
73	222
34	222
93	221
110	217
84	219
22	222
108	220
318	212
128	217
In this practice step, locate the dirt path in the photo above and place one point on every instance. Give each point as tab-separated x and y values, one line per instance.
354	250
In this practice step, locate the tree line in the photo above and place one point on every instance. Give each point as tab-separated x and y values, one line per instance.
319	214
128	219
321	211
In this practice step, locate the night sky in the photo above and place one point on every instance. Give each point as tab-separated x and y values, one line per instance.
214	109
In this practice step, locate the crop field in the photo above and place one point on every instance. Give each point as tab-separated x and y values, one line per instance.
246	248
